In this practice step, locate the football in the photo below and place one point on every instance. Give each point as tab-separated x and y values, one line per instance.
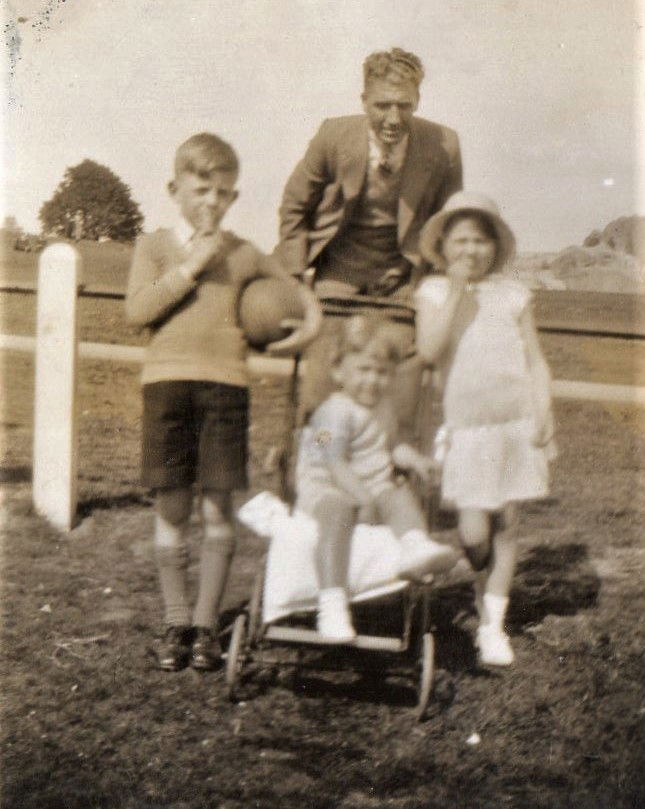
264	304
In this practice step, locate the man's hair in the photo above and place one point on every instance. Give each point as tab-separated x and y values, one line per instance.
395	64
205	153
371	332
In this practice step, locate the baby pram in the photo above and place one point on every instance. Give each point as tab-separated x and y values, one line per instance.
392	615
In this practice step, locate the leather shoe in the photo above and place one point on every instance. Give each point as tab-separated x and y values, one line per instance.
206	652
172	650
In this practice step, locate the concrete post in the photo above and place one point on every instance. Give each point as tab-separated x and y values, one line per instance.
55	422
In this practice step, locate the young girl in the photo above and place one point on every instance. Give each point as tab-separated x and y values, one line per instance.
475	324
345	471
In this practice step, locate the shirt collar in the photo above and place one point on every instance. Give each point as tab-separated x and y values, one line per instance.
396	154
184	231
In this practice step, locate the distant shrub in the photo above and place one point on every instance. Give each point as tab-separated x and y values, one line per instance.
29	243
91	202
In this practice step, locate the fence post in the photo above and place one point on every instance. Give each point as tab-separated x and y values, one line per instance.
55	424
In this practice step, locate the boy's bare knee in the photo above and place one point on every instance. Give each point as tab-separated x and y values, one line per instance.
216	507
174	505
219	535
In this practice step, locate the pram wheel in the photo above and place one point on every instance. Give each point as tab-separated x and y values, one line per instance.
426	664
255	609
234	655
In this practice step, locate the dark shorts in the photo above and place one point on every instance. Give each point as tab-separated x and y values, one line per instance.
195	432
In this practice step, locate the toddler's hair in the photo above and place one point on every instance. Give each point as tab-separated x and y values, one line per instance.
395	64
204	154
485	222
371	332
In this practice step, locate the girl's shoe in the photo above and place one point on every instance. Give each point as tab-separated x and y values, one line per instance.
334	620
494	646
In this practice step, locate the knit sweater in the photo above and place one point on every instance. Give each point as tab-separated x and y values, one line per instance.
192	323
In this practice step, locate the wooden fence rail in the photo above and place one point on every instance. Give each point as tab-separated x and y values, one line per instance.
57	350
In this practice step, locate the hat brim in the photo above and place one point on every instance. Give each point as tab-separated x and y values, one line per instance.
431	235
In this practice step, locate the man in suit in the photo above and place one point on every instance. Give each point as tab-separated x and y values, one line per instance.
354	205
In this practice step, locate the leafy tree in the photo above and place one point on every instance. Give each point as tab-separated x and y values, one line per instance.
90	203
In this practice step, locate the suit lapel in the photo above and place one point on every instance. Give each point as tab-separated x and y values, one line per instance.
353	161
419	163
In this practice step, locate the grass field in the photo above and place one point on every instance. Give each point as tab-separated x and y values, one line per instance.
104	264
87	721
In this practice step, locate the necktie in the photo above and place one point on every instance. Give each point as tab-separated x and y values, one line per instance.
385	163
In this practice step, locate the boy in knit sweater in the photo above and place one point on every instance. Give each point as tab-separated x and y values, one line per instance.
184	287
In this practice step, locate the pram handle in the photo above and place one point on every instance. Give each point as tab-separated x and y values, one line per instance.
350	304
346	304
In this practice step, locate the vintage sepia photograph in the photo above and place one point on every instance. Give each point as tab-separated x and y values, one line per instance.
322	398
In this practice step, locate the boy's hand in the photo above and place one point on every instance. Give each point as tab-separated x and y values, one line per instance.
292	343
425	468
203	246
304	331
406	457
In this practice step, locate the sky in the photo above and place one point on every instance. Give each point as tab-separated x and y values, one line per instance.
542	95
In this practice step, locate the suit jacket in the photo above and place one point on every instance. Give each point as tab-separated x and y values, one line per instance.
320	193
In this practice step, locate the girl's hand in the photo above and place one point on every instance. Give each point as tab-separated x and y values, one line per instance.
459	272
425	468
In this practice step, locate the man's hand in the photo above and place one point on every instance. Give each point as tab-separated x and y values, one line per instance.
389	282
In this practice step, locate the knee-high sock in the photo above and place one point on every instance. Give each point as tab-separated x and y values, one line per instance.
172	565
217	552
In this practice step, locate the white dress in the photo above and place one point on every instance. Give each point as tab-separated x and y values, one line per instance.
489	459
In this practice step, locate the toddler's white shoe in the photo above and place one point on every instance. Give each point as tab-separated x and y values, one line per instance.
494	646
421	556
334	619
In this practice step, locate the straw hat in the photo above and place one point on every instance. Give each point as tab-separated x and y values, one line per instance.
432	232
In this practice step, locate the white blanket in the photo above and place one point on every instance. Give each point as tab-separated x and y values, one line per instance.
291	583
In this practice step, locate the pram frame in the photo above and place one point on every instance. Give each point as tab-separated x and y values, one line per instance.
250	637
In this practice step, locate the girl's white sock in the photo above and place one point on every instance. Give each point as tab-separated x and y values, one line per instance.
495	610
